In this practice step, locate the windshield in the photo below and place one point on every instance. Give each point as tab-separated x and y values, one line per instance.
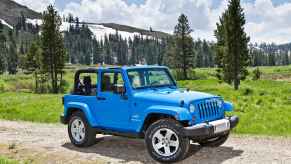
148	78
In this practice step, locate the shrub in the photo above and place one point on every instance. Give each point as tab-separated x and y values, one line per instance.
247	91
65	86
257	74
2	86
177	74
259	102
192	75
262	93
219	75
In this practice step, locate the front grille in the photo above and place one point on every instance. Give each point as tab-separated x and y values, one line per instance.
209	109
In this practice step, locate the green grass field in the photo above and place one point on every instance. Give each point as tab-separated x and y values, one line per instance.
264	106
30	107
5	160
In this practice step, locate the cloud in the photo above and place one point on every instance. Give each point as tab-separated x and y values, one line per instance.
266	22
37	5
158	14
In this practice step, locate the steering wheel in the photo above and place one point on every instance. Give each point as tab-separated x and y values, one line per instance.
81	87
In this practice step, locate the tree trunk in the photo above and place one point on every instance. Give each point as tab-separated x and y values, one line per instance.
56	90
184	58
52	82
56	80
185	73
61	79
36	81
236	83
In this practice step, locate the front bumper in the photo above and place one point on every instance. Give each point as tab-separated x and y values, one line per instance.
206	130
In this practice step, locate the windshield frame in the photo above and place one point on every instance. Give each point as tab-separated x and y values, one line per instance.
171	79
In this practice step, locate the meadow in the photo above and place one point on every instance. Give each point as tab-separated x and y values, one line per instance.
5	160
264	106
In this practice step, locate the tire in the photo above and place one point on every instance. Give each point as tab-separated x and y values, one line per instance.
87	135
214	142
166	148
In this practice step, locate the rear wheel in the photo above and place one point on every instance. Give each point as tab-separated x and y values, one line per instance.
165	142
214	142
80	132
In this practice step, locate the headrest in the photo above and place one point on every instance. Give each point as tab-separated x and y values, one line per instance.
87	80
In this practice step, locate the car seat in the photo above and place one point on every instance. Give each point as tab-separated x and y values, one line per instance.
87	85
106	83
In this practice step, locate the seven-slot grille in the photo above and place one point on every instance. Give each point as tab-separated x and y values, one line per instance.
209	109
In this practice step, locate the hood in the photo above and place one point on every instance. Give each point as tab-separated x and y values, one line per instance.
171	96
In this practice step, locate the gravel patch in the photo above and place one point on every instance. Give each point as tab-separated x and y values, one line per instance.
49	143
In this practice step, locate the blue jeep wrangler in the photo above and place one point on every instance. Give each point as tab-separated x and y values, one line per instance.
144	102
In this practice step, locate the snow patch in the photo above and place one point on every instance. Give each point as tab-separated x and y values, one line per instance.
5	23
65	26
99	31
34	21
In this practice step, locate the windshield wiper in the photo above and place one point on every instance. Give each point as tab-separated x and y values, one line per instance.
172	87
153	88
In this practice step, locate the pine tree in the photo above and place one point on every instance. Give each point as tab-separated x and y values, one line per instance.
132	47
211	54
207	56
162	51
184	45
286	58
199	53
232	44
23	21
136	49
32	60
33	64
97	51
124	52
108	59
53	56
220	49
272	59
2	50
12	58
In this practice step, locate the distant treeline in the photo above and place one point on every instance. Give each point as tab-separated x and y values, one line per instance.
83	48
270	54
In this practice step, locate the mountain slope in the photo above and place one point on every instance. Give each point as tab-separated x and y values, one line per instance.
126	28
10	11
4	23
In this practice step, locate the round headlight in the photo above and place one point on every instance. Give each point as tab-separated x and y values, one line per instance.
192	108
220	103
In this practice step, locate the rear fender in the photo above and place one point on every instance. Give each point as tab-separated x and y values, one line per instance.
83	108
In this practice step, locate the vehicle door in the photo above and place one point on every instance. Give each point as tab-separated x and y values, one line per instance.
113	108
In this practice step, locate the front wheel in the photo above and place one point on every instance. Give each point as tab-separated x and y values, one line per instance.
214	142
165	142
80	132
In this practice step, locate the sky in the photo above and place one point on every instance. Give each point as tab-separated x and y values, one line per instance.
266	20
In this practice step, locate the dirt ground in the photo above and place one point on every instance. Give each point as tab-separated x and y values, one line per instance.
49	143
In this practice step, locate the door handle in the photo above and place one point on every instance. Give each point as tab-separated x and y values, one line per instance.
101	98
